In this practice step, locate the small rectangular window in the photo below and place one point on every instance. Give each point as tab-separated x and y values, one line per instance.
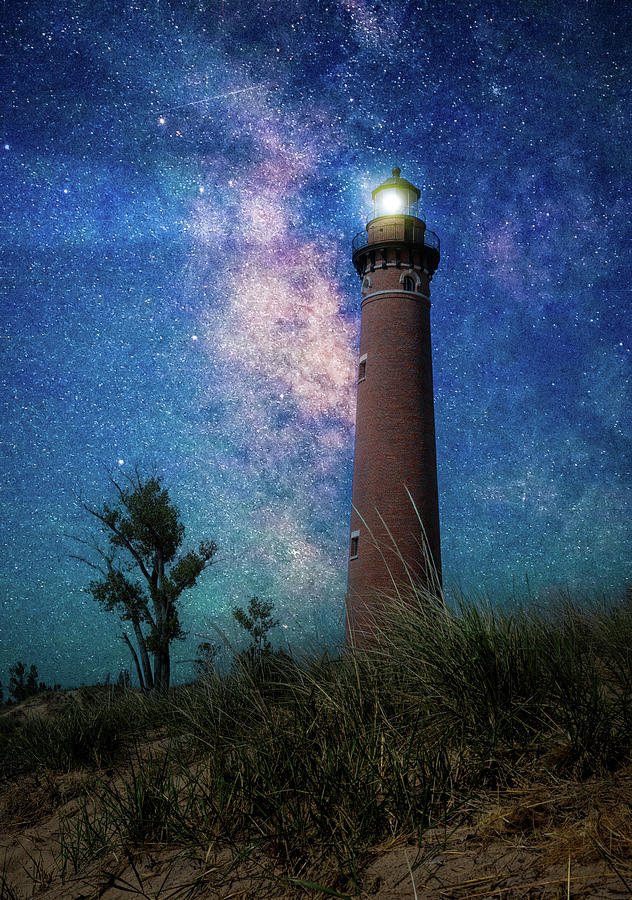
362	368
355	537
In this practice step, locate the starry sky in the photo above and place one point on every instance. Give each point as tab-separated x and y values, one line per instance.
181	182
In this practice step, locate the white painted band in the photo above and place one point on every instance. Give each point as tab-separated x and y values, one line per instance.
396	291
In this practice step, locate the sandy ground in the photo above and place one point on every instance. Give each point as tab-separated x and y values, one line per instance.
492	858
564	840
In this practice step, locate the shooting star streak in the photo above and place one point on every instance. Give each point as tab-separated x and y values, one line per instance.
216	97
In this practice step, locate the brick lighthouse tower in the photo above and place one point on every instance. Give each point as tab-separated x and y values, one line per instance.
395	454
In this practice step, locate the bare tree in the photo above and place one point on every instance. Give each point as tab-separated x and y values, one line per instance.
139	574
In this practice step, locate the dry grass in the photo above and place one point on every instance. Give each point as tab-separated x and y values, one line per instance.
472	753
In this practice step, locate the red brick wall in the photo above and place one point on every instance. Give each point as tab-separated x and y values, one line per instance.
395	435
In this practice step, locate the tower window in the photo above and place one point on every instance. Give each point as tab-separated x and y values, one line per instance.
362	368
355	537
408	284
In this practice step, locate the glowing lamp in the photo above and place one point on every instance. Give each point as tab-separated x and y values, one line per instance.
396	196
392	201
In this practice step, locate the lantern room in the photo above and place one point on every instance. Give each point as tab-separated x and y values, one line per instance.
396	196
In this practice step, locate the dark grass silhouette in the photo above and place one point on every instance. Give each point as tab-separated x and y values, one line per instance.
305	768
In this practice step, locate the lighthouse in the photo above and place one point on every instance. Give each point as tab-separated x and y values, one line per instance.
394	533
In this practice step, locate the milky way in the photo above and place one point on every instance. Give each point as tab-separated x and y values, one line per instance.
181	183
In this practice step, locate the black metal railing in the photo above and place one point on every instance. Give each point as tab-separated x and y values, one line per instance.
431	239
361	240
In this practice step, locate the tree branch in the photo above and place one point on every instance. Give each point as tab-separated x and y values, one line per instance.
128	546
92	565
93	545
139	671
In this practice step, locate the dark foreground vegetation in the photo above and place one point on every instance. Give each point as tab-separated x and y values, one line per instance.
23	684
306	768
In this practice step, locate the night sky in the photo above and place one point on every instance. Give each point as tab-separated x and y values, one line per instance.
180	186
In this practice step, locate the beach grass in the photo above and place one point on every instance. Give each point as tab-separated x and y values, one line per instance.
306	768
